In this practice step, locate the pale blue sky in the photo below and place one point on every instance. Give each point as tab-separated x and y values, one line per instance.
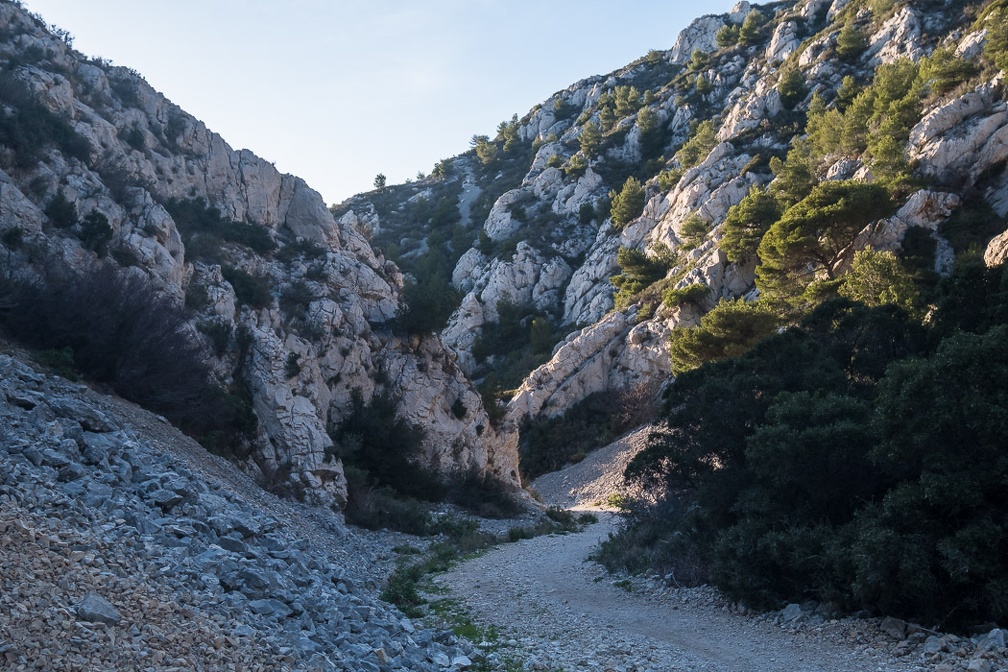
337	91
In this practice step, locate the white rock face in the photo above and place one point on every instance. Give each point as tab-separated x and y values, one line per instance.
957	142
464	275
589	295
571	197
836	8
750	111
972	44
997	250
453	444
899	37
811	9
500	225
708	189
701	34
816	51
613	354
465	325
785	41
926	209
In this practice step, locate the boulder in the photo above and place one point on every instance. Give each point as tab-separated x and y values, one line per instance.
96	609
783	43
899	37
997	250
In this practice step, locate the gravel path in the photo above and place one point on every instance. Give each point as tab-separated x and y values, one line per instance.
562	612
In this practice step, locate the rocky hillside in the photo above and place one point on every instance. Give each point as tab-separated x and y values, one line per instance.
116	530
602	220
98	168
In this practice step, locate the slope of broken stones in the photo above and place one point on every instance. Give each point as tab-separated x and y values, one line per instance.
115	554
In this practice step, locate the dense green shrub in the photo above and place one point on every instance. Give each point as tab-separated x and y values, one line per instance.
590	138
730	329
375	439
972	226
627	204
791	88
727	36
61	212
746	222
702	139
810	237
96	232
851	42
426	304
751	28
809	468
637	272
944	71
296	297
695	293
877	279
300	249
483	494
693	231
548	443
376	507
935	547
652	135
996	46
204	230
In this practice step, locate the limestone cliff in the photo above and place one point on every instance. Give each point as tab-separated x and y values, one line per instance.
129	155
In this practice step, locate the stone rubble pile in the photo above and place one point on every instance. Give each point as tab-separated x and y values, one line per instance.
114	555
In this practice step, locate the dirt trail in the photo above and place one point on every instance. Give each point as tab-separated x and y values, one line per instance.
566	614
563	612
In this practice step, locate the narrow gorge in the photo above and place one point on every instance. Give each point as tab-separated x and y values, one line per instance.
761	272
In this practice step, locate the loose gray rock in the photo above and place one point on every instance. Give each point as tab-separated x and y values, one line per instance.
894	627
791	612
97	609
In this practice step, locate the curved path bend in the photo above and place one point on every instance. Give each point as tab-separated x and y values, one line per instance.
563	612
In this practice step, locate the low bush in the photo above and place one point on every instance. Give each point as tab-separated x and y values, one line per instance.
484	495
61	212
28	127
120	331
695	293
204	230
250	290
547	444
374	439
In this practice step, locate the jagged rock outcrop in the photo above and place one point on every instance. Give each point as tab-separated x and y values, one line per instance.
997	250
964	138
899	37
136	155
701	34
615	353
